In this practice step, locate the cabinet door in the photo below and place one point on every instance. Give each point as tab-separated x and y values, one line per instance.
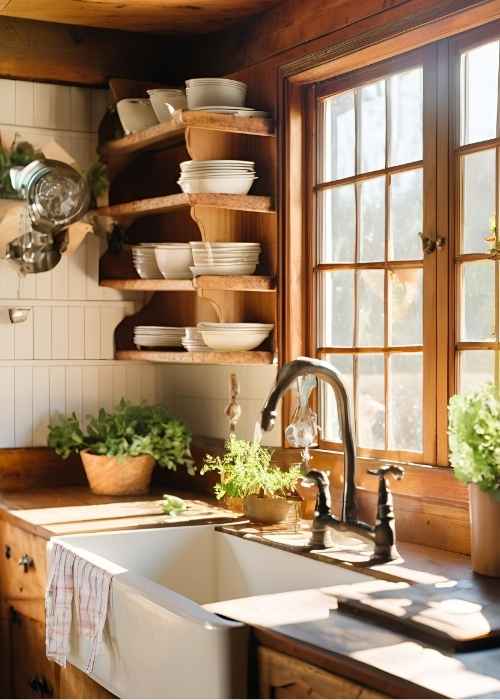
282	676
32	674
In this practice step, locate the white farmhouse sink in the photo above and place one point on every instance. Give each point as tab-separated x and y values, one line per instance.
159	640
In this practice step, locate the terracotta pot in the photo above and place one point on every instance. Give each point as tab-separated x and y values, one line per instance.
265	510
485	529
110	476
234	504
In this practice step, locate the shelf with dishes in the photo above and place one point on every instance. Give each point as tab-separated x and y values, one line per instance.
200	358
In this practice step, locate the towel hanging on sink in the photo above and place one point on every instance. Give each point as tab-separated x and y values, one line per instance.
75	582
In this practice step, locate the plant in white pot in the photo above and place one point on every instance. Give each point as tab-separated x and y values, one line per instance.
246	472
474	432
120	448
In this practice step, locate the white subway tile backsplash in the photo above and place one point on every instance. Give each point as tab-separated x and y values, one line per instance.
23	339
43	332
60	278
133	375
60	328
52	106
43	282
57	391
23	406
100	101
6	335
92	333
41	405
74	391
105	385
76	333
90	392
7	102
81	109
7	434
25	103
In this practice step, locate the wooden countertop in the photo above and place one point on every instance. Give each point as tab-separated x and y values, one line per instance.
304	624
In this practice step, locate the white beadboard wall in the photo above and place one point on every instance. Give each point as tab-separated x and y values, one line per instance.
61	359
199	394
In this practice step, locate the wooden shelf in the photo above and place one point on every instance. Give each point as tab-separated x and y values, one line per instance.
172	132
244	283
254	357
171	202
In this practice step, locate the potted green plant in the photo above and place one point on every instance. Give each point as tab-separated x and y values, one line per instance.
474	432
120	448
246	472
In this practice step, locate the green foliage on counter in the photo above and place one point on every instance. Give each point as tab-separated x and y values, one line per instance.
246	469
127	431
173	505
474	431
19	153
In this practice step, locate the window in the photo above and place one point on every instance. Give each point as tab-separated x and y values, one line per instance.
405	277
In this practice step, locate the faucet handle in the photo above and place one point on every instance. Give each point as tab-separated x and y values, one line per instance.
388	470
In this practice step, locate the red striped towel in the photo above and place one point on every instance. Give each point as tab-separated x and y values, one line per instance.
75	581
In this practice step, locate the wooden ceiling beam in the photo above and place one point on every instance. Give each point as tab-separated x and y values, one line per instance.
48	52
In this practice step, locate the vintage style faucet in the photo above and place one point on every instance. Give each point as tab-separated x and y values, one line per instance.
382	534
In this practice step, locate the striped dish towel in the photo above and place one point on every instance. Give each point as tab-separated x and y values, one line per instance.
73	580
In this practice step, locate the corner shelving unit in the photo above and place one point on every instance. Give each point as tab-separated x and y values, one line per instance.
144	198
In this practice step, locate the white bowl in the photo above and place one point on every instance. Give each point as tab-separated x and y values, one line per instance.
220	91
174	261
224	270
234	342
165	102
136	114
220	185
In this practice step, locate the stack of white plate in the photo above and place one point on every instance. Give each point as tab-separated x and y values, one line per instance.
158	336
144	259
233	337
193	341
223	176
201	92
234	111
224	258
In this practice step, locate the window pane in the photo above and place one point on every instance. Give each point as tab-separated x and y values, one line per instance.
405	402
338	224
372	126
478	301
329	415
371	201
478	200
337	308
406	209
479	92
405	307
370	298
406	116
339	137
370	395
477	367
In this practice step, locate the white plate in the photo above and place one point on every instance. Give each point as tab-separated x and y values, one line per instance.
219	245
219	162
223	272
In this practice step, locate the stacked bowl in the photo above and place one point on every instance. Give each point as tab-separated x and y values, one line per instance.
206	92
234	337
174	260
144	258
158	336
221	176
165	101
224	258
193	341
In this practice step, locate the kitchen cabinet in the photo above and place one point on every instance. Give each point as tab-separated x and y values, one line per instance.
32	675
282	676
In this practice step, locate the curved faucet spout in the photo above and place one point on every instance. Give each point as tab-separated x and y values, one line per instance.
288	374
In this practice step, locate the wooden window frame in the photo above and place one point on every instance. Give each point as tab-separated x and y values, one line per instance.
333	59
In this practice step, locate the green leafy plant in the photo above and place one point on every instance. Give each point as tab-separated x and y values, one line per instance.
97	179
128	431
19	153
474	431
246	469
173	505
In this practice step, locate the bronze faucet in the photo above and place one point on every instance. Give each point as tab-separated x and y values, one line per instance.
382	534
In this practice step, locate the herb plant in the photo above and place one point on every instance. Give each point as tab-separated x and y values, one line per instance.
20	153
128	431
474	431
246	469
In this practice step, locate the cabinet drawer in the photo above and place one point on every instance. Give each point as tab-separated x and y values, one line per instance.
282	676
23	570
